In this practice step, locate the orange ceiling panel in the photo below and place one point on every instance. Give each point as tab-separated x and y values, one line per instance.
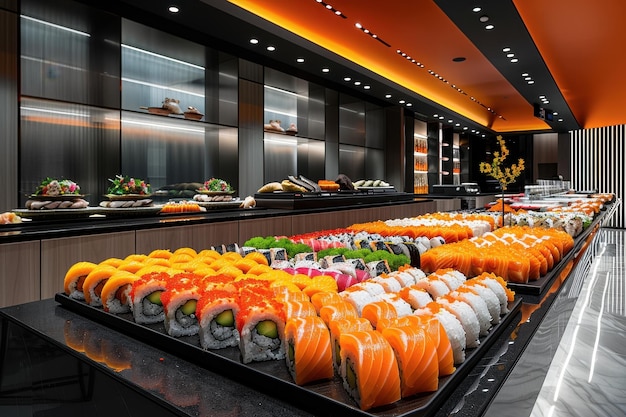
581	42
421	30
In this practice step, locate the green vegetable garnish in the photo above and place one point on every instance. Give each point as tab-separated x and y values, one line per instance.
225	318
189	307
350	375
267	328
155	298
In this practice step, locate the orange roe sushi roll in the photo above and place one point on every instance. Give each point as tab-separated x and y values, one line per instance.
75	278
216	312
145	297
416	354
116	292
94	282
180	300
308	350
369	369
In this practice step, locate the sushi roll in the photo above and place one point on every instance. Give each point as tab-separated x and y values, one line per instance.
216	312
452	326
305	256
416	354
402	307
436	332
376	268
308	350
94	282
180	300
415	296
75	278
261	326
453	279
145	297
478	305
434	286
322	298
405	279
499	287
465	314
344	325
278	254
358	299
369	369
116	292
488	296
389	284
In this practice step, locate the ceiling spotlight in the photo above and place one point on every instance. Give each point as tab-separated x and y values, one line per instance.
358	25
409	104
514	60
476	9
325	70
525	74
173	9
401	101
347	78
271	48
254	41
484	18
300	60
387	95
507	49
367	87
489	27
531	82
511	55
357	83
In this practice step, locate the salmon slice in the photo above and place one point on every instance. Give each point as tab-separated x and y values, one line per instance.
369	369
75	277
308	349
417	359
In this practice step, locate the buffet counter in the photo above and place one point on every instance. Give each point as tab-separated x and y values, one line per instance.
57	362
40	251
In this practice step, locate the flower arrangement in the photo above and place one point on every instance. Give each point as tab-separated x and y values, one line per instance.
504	176
216	184
123	185
53	187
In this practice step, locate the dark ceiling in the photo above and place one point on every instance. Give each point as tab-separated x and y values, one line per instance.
436	57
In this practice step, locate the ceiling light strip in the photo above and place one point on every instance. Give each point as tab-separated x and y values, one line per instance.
331	9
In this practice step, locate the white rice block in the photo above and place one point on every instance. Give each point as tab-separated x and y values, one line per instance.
389	284
496	287
454	330
479	306
404	278
467	317
358	298
417	297
490	299
417	273
434	286
402	307
371	287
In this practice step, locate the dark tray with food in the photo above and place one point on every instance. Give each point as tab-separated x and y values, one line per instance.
273	377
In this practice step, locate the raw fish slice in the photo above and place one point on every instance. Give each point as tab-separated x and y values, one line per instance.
94	282
417	359
308	350
344	325
116	292
369	369
339	310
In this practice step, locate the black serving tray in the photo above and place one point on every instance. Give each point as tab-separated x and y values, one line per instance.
290	201
272	377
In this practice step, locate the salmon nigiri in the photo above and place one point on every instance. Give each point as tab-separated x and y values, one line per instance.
369	369
308	349
417	359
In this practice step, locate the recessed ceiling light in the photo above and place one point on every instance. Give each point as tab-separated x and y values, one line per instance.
388	96
450	121
484	18
357	83
458	124
254	41
507	49
271	48
347	78
465	127
525	74
514	60
409	104
173	9
337	12
560	120
401	101
325	70
531	82
300	60
511	55
441	117
489	27
476	9
358	25
554	113
527	78
435	115
367	87
328	6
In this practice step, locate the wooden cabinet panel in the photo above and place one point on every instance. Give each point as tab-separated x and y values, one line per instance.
270	226
19	273
58	255
198	237
304	223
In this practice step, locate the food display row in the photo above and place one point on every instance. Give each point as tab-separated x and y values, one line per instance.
311	314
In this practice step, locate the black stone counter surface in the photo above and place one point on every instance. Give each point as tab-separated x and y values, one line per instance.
57	362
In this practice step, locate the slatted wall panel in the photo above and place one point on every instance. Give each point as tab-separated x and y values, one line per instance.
599	163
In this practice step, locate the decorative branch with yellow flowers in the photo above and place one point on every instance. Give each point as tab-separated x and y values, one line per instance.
504	175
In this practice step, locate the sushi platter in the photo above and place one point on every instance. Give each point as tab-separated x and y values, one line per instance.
273	377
